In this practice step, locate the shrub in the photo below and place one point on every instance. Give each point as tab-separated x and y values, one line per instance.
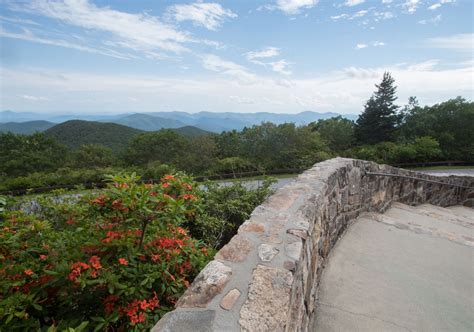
226	208
117	260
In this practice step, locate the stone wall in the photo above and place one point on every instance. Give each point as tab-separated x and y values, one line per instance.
266	278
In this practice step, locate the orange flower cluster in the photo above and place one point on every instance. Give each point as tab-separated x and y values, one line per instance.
76	270
190	197
123	261
78	267
136	309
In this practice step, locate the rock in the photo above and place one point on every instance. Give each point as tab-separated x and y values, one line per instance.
293	250
289	265
209	282
266	252
236	250
301	233
229	299
281	201
186	320
266	307
252	226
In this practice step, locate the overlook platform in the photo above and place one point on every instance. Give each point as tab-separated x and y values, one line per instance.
409	269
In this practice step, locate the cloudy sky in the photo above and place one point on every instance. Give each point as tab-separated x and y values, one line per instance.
283	56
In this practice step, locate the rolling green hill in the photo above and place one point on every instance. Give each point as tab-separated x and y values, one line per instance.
25	128
75	133
148	122
191	131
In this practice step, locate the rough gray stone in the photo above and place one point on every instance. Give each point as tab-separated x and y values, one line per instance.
209	282
186	320
236	250
266	252
229	299
293	250
268	300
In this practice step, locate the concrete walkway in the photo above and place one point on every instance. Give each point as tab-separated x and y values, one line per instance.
410	269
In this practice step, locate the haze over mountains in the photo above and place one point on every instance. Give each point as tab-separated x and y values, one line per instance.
28	122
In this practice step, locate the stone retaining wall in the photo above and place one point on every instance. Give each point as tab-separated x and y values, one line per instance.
266	278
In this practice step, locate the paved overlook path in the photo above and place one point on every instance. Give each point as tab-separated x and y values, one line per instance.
410	269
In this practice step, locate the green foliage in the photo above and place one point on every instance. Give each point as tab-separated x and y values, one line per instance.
451	123
165	146
156	170
378	121
114	261
92	156
21	155
62	176
75	133
226	207
420	150
337	132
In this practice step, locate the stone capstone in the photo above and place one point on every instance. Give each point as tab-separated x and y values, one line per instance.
266	252
184	320
260	314
236	250
229	299
209	282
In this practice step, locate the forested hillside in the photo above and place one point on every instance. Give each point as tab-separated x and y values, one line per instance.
78	151
26	128
75	133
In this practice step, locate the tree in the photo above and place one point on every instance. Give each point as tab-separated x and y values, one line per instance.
378	121
92	155
24	154
337	132
165	146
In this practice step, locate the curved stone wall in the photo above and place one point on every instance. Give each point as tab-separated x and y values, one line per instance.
266	278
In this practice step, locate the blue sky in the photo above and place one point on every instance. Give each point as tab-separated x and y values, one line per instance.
283	56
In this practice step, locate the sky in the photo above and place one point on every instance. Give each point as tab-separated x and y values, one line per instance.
281	56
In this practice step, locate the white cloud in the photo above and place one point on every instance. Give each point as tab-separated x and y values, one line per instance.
360	13
345	90
267	52
338	17
439	4
140	32
34	98
281	67
435	6
292	7
383	16
410	6
258	57
386	1
215	63
461	42
351	3
433	20
18	20
209	15
29	36
365	45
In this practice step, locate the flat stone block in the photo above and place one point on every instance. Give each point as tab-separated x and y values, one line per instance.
266	252
183	320
229	299
281	201
267	304
236	250
209	282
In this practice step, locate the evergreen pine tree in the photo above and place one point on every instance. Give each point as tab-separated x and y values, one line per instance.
378	121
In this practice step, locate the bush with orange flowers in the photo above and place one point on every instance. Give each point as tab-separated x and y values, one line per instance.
116	261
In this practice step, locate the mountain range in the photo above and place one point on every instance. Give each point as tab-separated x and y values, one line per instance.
28	122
